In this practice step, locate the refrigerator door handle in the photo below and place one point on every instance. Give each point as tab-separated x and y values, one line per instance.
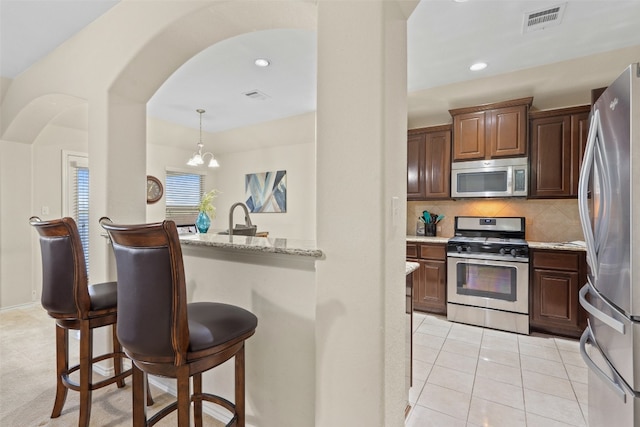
604	318
601	175
613	383
583	188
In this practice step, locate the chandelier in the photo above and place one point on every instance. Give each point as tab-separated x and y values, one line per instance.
198	158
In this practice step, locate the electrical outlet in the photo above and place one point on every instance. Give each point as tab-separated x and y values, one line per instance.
45	210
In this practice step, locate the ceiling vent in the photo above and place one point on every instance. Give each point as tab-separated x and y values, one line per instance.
257	95
543	18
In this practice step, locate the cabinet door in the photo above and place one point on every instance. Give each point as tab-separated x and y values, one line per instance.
469	136
556	277
554	304
438	165
579	134
507	129
551	157
416	167
429	290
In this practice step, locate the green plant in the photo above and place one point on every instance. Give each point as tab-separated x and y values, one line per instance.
206	203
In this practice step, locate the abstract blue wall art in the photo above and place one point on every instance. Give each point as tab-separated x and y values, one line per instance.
266	191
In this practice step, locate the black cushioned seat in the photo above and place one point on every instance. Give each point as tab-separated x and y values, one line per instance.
103	295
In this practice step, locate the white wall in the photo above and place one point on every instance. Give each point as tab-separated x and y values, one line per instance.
289	144
31	179
15	210
299	162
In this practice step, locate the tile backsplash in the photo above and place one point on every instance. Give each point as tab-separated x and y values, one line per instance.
546	220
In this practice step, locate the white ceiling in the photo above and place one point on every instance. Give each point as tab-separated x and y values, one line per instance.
444	38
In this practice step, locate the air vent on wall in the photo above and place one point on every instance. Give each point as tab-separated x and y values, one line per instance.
543	18
256	94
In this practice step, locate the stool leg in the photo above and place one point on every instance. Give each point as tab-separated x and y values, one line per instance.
86	369
62	366
117	358
139	386
197	400
184	395
150	401
240	387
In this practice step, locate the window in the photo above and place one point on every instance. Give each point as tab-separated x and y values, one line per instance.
183	192
81	208
76	195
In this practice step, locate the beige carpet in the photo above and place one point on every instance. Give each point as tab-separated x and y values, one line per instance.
27	379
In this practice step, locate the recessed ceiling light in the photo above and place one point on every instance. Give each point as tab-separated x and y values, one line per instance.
262	62
478	66
459	1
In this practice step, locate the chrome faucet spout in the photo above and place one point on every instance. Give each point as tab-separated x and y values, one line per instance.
247	219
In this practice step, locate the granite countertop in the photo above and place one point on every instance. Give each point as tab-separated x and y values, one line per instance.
576	245
411	267
427	239
304	248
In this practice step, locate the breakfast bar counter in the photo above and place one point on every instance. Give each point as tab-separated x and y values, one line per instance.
275	279
305	248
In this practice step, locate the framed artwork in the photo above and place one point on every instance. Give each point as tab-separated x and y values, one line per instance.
266	191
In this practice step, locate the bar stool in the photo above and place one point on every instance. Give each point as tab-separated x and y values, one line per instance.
162	334
67	297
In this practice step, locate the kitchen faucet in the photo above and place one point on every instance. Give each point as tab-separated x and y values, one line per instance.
247	219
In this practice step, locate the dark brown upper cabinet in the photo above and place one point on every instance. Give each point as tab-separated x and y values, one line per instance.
491	130
558	139
429	163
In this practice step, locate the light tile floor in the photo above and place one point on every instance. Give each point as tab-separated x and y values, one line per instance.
471	377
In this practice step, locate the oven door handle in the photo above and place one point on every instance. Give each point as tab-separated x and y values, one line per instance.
603	317
615	383
487	258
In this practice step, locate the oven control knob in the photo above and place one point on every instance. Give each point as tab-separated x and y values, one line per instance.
502	251
514	252
462	248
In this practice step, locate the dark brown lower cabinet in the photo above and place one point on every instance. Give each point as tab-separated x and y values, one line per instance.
556	278
430	280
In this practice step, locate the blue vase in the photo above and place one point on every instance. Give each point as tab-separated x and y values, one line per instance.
203	222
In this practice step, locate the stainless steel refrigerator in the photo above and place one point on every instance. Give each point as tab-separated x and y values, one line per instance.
609	201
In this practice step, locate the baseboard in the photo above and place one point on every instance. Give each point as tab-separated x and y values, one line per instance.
20	306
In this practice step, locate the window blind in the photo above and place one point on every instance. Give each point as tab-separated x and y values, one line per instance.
183	192
80	204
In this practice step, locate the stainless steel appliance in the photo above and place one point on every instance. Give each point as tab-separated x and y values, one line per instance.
490	178
488	273
609	201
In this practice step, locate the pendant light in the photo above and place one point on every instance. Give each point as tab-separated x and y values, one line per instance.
198	158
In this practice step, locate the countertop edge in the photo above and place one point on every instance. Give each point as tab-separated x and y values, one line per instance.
426	239
560	246
254	244
411	267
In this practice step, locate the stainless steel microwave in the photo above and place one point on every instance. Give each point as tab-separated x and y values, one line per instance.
490	178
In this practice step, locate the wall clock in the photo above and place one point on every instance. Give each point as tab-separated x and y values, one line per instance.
154	189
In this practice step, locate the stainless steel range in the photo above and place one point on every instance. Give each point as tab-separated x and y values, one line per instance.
488	273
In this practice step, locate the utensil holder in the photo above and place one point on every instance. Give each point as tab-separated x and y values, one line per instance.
430	229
